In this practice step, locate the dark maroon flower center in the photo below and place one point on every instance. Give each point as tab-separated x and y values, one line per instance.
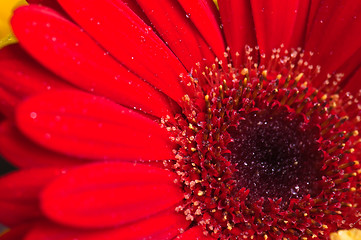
263	154
276	154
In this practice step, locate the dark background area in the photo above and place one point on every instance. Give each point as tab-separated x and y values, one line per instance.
5	167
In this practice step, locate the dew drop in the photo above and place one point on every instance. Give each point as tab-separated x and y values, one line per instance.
33	115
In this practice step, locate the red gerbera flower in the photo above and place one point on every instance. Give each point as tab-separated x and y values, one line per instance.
173	119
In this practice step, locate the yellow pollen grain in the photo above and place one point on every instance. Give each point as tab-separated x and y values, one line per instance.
264	73
229	226
299	76
200	193
244	71
198	212
324	97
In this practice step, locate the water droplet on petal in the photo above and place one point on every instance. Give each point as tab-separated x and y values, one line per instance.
33	115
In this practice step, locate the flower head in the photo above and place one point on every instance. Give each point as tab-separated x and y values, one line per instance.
181	119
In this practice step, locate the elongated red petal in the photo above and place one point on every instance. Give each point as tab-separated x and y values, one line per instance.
48	3
165	225
23	153
205	17
7	103
354	84
17	232
334	37
133	42
109	194
133	5
84	125
177	31
238	25
279	22
14	213
20	77
68	51
25	185
20	194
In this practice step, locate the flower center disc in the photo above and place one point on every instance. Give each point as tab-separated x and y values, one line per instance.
262	154
276	154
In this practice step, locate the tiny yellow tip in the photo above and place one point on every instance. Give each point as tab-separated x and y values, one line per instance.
264	73
299	76
244	71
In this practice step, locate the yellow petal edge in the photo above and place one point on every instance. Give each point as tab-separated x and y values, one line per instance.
6	11
352	234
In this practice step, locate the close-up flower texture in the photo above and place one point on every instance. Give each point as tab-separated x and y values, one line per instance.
181	119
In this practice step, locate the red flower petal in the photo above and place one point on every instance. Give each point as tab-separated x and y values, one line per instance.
349	69
48	3
84	125
25	185
133	5
21	76
177	31
17	232
59	45
20	192
279	22
7	103
109	194
354	84
238	25
334	48
23	153
14	213
204	15
165	225
132	42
